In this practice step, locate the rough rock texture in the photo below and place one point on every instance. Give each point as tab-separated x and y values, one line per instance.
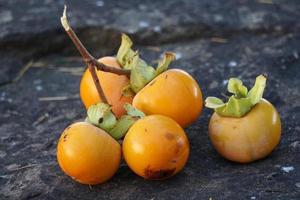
214	40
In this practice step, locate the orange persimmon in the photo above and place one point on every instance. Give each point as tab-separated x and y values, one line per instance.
111	84
174	93
248	138
88	154
156	147
247	127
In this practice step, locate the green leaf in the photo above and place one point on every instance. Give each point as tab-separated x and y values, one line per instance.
127	91
235	107
122	126
126	54
125	122
213	102
109	121
241	102
129	61
141	74
256	93
96	112
132	111
100	115
125	51
235	86
87	120
165	62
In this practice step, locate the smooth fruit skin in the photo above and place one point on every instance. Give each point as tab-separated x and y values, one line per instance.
249	138
173	93
112	85
88	154
156	147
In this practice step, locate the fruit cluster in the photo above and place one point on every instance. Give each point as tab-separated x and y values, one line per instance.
139	111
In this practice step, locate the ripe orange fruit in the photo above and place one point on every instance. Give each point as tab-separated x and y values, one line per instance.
112	85
175	94
248	138
156	147
88	154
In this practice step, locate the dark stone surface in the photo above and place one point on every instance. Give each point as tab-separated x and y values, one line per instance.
214	40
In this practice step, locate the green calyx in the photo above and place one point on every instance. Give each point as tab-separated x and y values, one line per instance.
141	72
134	112
101	116
241	101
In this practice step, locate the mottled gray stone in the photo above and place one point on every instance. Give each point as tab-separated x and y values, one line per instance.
213	40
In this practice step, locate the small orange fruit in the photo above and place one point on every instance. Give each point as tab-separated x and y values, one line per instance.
88	154
248	138
112	85
173	93
156	147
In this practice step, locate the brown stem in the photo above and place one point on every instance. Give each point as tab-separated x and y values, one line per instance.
92	63
84	53
97	83
88	58
102	67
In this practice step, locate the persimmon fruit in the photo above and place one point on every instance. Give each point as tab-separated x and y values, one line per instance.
156	147
247	127
248	138
88	154
175	94
112	85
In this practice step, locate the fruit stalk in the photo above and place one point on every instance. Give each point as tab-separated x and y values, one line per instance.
88	58
102	67
84	53
91	62
97	83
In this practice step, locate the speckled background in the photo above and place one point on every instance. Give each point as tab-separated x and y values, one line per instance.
214	40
